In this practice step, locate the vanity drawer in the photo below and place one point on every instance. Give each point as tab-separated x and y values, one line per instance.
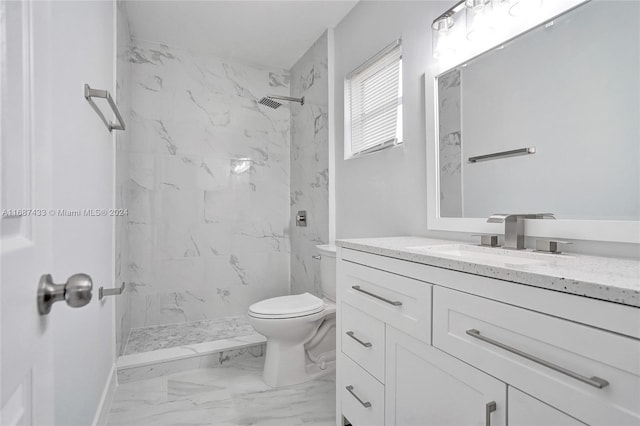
362	396
401	302
462	323
363	340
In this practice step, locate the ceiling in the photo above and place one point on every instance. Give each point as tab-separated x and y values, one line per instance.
266	33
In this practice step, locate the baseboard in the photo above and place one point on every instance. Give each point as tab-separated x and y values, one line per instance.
102	412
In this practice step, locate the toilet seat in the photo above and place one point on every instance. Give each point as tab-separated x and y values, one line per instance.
295	306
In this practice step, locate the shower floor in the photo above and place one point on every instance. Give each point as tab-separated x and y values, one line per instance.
153	338
164	349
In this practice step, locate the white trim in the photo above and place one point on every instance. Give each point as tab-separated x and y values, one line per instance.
331	60
114	192
591	230
104	406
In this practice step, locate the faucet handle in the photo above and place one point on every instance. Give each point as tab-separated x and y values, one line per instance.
549	246
489	240
545	216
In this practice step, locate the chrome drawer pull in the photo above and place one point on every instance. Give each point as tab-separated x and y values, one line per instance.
391	302
596	382
365	404
365	344
488	409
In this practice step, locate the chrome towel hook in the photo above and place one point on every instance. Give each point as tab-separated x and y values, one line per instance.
102	292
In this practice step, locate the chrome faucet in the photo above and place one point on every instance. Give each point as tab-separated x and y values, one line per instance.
514	227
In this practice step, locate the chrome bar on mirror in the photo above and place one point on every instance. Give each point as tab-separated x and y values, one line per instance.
496	155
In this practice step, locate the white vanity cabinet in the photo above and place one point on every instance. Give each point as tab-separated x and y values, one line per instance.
425	386
424	346
525	410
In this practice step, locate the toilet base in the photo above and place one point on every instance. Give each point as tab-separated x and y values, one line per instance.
286	365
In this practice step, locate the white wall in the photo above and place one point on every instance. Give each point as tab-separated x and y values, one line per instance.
82	35
385	193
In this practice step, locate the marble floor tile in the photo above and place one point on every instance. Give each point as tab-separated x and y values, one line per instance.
153	338
231	394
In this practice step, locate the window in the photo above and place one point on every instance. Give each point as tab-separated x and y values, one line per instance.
373	119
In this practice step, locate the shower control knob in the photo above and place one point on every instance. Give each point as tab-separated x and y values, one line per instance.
76	292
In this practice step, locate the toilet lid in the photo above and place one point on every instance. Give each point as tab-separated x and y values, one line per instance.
288	306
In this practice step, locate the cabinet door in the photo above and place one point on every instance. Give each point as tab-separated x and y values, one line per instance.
425	386
525	410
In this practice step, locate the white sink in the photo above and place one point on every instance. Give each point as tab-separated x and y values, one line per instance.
491	255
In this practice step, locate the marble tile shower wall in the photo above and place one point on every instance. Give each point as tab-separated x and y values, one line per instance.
205	240
123	99
309	166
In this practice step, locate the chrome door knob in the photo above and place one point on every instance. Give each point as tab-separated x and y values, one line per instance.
76	291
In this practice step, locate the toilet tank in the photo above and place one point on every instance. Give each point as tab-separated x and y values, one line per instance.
328	270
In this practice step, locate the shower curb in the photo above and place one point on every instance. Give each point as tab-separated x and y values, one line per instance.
146	365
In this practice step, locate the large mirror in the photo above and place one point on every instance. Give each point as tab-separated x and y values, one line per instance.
547	122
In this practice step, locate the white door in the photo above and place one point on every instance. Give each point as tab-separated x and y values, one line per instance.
56	155
525	410
26	362
427	387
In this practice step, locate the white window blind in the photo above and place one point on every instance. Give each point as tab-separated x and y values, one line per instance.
374	97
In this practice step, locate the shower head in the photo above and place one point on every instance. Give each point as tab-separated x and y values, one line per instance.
267	101
271	102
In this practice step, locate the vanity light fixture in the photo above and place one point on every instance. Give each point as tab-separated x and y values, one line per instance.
482	21
442	43
523	7
479	19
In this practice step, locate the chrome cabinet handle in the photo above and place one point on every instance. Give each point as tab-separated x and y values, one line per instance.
365	344
488	409
391	302
365	404
596	382
76	291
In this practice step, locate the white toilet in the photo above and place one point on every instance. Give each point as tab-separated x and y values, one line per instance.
300	329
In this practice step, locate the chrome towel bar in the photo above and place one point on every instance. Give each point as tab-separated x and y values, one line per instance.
104	94
503	154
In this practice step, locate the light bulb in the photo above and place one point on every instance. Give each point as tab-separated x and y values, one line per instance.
442	43
479	19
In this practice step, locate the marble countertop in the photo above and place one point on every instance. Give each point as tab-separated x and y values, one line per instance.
610	279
